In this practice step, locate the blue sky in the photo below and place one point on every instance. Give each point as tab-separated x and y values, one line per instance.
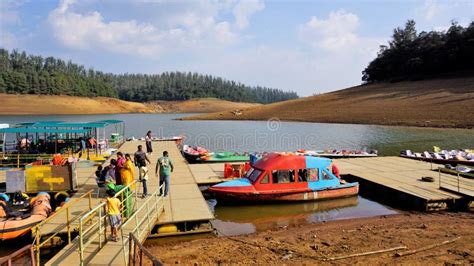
306	46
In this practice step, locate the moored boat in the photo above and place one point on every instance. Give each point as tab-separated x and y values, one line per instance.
458	170
286	177
11	228
334	154
453	157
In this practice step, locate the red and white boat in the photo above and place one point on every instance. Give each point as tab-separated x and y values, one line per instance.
286	177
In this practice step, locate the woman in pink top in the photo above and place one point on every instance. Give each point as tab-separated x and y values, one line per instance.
118	169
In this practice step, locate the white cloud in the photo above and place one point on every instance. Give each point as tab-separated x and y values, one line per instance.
244	10
334	33
191	27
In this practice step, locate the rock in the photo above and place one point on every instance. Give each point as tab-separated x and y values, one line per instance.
314	236
314	247
345	247
423	226
327	244
268	238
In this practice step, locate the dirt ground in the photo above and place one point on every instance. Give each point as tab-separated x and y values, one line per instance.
428	103
12	104
317	243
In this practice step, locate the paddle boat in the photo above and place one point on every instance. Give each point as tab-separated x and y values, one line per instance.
14	227
286	177
458	170
452	157
332	154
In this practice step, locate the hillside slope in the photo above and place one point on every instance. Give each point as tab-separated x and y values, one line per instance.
433	103
13	104
203	105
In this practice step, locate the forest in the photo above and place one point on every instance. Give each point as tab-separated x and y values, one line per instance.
21	73
410	55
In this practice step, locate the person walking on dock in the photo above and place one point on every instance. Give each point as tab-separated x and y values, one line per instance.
128	172
148	139
165	166
113	210
140	161
119	167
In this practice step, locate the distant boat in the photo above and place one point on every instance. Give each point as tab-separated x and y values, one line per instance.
285	177
453	157
334	154
458	170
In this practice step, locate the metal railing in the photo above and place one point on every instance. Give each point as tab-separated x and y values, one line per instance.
10	259
150	211
17	160
93	224
66	222
455	182
136	257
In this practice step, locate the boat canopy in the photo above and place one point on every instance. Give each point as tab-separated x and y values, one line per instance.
282	161
41	130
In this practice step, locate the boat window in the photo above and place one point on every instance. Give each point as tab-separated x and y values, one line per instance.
302	175
313	175
283	176
253	174
265	180
326	176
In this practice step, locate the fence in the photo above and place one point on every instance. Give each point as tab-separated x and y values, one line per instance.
456	183
64	222
137	250
17	255
149	212
93	224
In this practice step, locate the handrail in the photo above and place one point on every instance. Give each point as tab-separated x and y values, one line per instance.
155	208
9	258
133	244
100	224
36	230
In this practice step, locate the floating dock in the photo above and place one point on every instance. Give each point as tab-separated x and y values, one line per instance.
208	174
399	179
184	203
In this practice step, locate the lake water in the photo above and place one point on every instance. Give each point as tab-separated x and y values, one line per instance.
274	135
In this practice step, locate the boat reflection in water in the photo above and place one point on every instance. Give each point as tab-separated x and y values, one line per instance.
247	219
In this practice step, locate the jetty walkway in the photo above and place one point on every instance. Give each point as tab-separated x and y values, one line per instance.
184	203
400	179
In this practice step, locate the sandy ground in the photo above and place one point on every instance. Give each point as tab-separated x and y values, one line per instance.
54	104
317	243
432	103
204	105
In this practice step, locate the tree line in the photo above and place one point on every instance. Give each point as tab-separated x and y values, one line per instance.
412	55
29	74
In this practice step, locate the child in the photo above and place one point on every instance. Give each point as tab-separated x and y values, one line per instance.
143	178
113	210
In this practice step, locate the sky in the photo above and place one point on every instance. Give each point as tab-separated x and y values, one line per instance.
310	47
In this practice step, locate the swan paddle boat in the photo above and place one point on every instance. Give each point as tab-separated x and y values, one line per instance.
286	177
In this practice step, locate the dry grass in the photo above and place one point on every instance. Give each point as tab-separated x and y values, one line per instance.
12	104
433	103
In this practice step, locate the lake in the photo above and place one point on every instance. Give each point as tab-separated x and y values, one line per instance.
275	135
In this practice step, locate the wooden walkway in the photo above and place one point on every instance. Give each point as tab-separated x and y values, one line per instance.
184	203
207	174
403	176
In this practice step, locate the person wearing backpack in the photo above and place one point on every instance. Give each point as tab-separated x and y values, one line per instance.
140	161
165	165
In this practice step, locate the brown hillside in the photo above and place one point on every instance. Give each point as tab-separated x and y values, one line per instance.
433	103
203	105
13	104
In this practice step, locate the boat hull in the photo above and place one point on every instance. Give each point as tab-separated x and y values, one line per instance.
440	161
236	196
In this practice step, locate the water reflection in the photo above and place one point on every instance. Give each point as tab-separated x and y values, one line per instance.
246	219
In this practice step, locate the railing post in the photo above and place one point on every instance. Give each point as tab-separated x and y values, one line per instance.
32	256
38	245
458	183
130	240
18	160
100	228
90	200
68	225
105	224
81	244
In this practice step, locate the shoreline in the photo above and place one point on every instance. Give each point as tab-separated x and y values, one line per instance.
319	242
